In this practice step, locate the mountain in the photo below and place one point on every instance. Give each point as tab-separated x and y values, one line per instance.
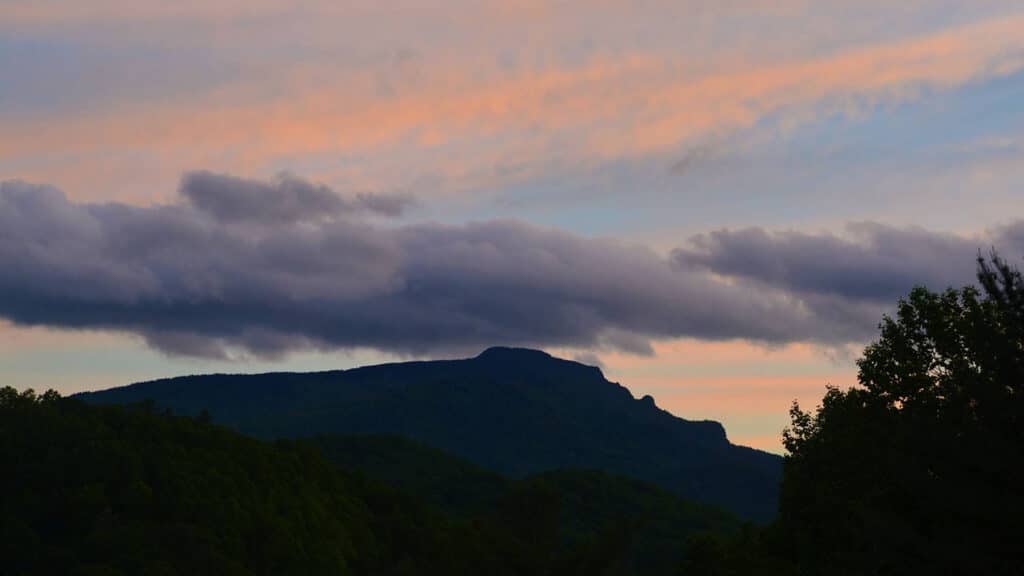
513	411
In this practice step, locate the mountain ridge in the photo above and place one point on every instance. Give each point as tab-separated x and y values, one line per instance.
513	410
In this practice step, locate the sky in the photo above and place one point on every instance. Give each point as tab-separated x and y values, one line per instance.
715	201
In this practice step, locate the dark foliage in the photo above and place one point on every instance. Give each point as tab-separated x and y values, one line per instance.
516	412
113	491
130	490
432	475
920	468
600	517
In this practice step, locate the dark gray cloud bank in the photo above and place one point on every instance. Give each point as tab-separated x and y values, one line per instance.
269	267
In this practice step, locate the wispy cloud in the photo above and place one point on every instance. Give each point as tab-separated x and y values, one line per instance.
458	119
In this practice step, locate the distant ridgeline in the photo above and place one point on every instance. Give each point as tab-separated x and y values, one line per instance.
514	411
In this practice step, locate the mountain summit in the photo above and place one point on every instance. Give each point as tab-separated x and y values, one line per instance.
517	411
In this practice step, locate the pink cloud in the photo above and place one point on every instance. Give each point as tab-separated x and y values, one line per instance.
457	121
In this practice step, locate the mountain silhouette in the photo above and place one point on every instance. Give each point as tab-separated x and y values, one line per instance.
514	411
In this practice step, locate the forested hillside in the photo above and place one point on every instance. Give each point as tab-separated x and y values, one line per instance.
132	490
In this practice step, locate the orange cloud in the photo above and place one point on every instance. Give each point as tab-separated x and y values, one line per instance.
460	123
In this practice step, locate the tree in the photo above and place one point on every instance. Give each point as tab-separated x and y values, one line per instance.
919	468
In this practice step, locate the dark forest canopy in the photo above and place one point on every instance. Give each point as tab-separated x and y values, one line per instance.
132	490
920	468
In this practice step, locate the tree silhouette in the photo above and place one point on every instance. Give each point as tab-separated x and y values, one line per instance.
919	468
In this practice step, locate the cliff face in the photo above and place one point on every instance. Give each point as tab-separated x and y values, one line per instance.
515	411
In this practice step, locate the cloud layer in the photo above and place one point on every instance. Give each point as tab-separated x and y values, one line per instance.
870	263
850	279
264	268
